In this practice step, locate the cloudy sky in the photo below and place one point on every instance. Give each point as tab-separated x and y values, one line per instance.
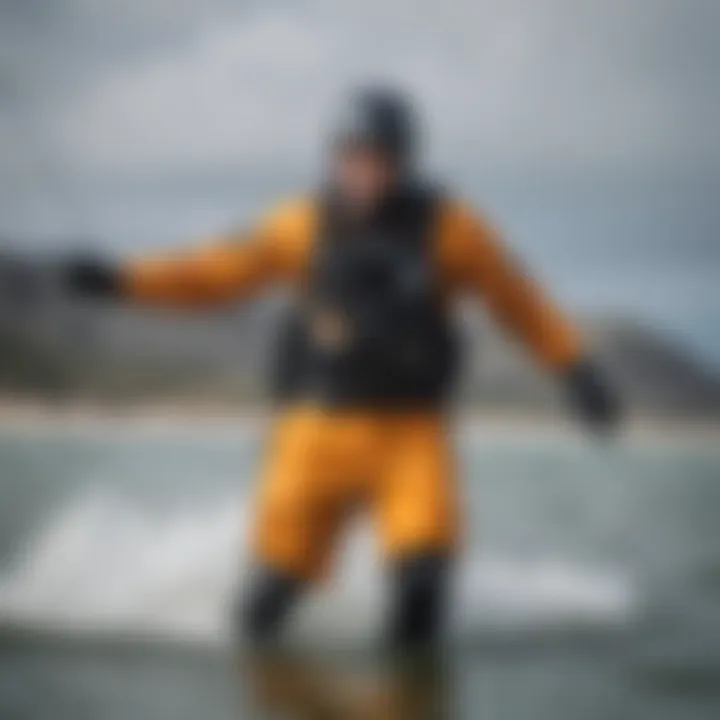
153	85
588	127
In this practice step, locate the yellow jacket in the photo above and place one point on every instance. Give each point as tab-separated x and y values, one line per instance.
468	253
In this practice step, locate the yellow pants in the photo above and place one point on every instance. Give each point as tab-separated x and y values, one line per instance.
322	466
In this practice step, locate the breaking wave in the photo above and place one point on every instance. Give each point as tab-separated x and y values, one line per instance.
104	566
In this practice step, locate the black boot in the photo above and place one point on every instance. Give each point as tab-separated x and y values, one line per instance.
269	599
419	599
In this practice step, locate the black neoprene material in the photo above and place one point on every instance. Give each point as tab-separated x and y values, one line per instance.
419	595
271	596
376	279
418	600
380	118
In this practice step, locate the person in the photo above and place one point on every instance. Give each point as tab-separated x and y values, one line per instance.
376	257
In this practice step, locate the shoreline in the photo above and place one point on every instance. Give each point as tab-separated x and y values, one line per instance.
23	417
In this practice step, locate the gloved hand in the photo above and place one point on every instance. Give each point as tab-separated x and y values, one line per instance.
593	398
88	277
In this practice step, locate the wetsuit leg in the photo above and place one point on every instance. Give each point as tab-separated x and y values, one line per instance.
269	600
418	600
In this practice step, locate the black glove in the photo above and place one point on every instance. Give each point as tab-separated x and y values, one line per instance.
593	398
91	278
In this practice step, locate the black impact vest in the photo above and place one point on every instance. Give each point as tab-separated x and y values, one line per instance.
371	329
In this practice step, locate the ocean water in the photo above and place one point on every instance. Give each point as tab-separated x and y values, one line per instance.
589	586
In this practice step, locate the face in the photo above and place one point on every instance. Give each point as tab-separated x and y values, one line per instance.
363	176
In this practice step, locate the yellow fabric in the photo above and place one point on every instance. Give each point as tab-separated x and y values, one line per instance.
227	268
320	468
469	254
472	258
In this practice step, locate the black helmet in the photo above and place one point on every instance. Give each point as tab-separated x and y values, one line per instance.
380	118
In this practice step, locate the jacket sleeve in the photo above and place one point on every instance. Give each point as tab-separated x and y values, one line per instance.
473	258
227	268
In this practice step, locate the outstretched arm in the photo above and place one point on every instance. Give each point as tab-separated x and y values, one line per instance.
474	258
218	272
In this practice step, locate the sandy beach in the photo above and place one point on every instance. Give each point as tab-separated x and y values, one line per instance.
87	419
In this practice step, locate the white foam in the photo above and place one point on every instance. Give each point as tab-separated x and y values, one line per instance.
104	566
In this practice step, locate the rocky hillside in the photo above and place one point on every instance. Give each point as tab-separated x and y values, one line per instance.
54	348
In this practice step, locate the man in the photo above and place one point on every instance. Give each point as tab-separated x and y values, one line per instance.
376	257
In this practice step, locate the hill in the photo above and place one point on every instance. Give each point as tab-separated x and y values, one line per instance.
53	348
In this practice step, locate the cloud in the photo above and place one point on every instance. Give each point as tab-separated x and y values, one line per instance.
237	94
506	83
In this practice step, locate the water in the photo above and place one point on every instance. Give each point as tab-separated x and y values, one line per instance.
589	585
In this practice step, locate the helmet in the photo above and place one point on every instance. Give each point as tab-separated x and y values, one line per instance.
380	118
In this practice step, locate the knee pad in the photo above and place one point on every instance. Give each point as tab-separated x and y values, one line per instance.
420	588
